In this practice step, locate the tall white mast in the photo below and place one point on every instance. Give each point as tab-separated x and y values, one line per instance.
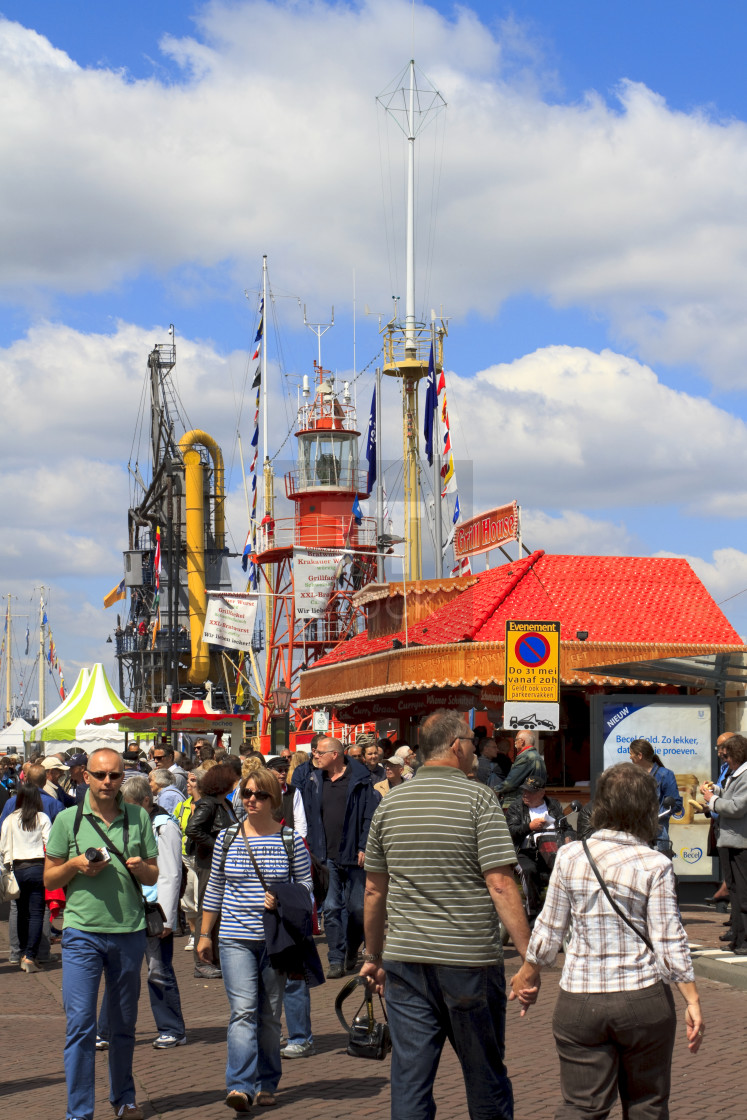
263	359
410	261
42	708
8	656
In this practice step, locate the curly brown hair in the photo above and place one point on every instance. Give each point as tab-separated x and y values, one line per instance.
218	780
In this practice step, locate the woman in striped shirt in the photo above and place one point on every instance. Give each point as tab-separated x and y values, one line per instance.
235	893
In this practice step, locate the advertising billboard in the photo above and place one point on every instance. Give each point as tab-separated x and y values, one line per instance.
682	731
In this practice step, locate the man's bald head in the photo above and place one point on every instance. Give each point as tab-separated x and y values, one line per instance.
36	775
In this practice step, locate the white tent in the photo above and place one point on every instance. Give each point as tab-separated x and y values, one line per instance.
66	726
13	736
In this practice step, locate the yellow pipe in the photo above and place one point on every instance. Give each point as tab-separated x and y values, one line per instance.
199	669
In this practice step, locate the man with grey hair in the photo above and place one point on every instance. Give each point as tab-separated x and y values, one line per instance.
528	763
339	801
165	1001
165	793
439	866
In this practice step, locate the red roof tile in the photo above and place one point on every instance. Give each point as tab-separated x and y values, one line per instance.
617	599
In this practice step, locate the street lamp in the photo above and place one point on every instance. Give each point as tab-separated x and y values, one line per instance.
280	722
169	694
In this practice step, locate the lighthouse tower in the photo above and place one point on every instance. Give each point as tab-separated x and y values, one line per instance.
323	530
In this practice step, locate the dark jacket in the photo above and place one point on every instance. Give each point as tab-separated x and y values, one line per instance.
210	817
517	819
289	935
489	772
359	810
528	763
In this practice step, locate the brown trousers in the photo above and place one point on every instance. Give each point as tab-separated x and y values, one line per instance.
615	1042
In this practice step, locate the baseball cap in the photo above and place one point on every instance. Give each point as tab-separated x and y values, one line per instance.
78	760
52	763
403	753
395	760
533	785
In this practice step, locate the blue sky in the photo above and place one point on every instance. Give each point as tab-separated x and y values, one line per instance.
588	248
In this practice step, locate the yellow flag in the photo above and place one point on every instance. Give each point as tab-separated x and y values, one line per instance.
115	595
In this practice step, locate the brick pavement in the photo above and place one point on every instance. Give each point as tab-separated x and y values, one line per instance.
188	1082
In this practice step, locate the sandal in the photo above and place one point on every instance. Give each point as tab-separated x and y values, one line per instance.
238	1101
265	1099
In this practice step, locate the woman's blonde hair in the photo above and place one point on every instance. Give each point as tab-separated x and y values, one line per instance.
298	758
251	765
264	781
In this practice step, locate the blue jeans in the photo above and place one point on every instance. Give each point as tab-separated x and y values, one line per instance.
44	952
255	996
163	990
85	957
30	907
346	887
426	1004
297	1006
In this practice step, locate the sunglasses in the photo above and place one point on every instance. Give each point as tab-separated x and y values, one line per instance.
101	775
259	795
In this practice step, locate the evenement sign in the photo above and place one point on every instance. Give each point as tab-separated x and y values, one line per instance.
229	620
486	531
681	731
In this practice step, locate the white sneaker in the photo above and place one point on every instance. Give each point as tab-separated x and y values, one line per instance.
166	1041
298	1050
190	943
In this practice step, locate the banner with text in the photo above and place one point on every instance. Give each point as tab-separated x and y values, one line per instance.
486	531
229	620
314	578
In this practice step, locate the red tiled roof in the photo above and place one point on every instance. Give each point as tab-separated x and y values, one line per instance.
617	599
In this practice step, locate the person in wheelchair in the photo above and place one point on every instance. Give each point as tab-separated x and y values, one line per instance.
537	827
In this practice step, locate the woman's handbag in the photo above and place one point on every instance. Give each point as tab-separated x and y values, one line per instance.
9	889
366	1037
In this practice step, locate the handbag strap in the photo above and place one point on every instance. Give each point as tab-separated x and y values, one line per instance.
611	900
347	990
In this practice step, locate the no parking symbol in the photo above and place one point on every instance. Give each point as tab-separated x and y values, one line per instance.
532	662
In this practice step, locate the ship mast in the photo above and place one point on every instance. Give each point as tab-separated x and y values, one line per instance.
268	494
42	708
407	345
8	648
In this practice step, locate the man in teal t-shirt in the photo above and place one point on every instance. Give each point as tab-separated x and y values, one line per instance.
104	928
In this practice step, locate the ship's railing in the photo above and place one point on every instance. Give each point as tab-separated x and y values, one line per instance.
323	531
128	642
325	475
394	346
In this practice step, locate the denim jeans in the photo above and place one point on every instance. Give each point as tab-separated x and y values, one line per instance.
163	990
85	958
428	1003
343	911
30	907
45	950
297	1007
255	996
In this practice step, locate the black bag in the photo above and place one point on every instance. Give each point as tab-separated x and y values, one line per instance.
366	1037
319	879
155	919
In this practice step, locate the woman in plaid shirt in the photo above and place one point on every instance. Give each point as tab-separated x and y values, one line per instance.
615	1021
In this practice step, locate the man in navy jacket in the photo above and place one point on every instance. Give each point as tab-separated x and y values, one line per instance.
339	800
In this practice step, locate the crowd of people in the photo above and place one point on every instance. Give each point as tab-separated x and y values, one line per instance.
416	863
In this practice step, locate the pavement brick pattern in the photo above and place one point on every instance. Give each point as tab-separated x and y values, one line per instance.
188	1082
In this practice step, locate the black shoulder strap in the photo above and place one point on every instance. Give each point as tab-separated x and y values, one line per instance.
111	848
287	838
228	840
611	900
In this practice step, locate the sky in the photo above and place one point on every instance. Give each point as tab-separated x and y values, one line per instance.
581	222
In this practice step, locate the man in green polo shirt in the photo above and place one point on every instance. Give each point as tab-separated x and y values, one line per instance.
103	929
439	862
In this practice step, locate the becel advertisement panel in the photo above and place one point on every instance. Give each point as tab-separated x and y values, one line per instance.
680	729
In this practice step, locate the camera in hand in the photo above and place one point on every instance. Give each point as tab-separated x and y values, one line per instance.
96	855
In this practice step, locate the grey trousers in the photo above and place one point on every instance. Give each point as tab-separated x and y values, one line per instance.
615	1042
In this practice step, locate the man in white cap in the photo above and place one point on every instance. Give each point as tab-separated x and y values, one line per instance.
55	769
409	761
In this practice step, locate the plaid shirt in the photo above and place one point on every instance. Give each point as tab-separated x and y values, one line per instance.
605	955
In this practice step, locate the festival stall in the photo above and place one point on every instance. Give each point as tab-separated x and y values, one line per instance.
67	725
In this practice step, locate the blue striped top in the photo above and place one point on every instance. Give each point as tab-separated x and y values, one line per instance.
238	893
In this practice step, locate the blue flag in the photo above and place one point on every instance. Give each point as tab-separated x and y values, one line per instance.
457	511
371	445
357	511
431	403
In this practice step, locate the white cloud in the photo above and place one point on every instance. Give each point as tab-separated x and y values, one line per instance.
631	209
724	576
575	534
566	428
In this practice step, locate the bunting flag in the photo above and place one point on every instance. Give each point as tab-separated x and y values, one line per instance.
240	680
431	404
371	446
156	628
52	659
116	593
357	511
250	546
448	474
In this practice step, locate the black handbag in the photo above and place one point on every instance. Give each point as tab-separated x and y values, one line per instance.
366	1037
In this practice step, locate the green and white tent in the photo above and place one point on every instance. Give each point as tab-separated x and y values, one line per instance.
92	695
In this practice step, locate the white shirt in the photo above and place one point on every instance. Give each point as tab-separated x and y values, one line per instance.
17	843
